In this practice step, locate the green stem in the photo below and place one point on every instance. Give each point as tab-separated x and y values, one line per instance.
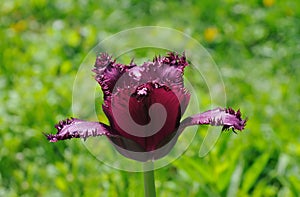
149	182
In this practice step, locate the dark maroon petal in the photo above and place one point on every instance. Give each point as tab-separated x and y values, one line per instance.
75	128
173	101
164	74
132	150
166	71
108	72
227	118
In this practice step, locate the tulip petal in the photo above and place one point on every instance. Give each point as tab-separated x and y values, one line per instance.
131	119
227	118
167	70
108	72
76	128
132	150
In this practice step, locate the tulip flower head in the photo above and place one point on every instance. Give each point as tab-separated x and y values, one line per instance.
144	105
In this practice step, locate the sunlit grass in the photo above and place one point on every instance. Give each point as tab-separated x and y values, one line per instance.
255	45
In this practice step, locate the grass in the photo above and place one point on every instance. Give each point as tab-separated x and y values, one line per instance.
254	44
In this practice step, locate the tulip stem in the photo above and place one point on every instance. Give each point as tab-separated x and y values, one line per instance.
149	182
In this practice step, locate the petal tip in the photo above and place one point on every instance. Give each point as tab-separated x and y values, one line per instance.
51	137
103	60
174	59
239	124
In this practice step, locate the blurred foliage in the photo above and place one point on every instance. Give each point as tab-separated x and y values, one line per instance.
254	43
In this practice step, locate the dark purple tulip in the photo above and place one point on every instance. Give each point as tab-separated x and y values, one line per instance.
144	105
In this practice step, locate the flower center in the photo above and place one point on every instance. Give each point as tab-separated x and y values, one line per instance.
143	91
146	89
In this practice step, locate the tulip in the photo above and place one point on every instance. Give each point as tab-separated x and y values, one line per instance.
144	105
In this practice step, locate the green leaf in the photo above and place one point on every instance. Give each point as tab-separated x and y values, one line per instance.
197	170
252	174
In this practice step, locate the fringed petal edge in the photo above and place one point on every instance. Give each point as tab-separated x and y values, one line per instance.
76	128
226	117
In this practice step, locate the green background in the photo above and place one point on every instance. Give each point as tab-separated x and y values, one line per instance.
255	44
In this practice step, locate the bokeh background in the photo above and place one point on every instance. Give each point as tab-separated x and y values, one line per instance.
255	44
